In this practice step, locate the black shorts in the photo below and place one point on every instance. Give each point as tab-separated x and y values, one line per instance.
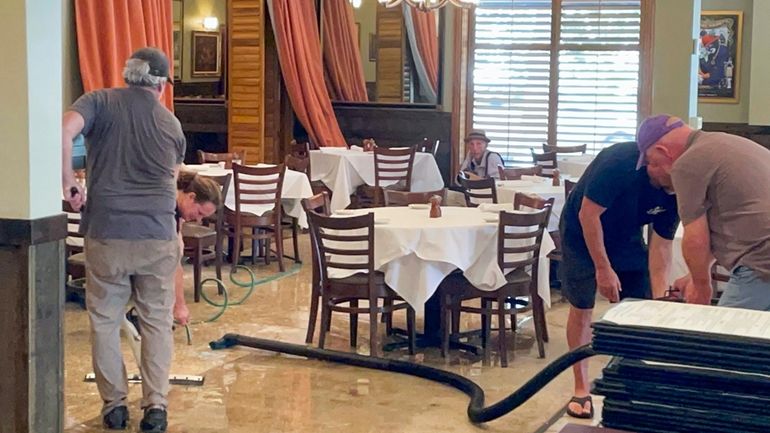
581	292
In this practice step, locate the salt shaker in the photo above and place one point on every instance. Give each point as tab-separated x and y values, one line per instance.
435	206
556	177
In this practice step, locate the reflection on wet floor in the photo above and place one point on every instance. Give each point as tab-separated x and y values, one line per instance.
246	390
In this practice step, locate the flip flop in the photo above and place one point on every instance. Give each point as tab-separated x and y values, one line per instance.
582	402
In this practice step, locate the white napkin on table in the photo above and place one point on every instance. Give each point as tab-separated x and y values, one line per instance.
357	148
496	207
536	179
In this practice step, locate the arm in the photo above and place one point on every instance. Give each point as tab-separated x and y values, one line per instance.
607	281
72	125
696	247
660	264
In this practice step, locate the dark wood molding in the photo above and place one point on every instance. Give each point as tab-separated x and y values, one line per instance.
553	79
756	133
19	232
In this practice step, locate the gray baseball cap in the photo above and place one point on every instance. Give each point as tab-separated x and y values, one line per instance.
158	61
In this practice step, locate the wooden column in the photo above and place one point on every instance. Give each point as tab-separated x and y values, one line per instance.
246	85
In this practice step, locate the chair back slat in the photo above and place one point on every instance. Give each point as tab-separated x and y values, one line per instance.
229	158
300	164
516	173
394	164
520	234
319	203
568	187
483	189
335	239
565	149
404	198
547	160
258	186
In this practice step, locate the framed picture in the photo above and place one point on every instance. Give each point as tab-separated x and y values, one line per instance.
372	47
178	52
719	56
206	56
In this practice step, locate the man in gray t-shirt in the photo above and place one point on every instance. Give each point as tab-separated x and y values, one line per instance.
134	148
722	183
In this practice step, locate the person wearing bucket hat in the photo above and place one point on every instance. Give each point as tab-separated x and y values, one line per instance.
603	248
480	163
134	148
722	182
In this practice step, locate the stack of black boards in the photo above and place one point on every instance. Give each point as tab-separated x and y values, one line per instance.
684	368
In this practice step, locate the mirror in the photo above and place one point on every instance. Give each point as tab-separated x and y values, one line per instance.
398	50
200	54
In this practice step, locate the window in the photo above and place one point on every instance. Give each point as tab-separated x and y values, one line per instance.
572	83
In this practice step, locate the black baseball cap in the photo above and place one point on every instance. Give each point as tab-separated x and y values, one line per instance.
157	59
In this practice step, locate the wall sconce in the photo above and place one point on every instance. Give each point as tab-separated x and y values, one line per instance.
210	23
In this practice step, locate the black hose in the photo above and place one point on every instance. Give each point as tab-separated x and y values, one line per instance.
476	410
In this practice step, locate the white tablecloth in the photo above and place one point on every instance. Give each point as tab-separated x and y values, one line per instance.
508	188
296	186
416	252
574	165
343	170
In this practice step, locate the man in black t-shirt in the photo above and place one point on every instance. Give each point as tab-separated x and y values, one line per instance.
603	248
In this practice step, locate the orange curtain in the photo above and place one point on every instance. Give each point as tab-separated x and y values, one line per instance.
342	59
108	31
426	35
299	53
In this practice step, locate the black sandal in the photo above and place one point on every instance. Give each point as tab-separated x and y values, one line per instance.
582	402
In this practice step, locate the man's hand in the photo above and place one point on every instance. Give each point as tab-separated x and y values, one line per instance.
76	200
181	313
682	283
697	295
608	284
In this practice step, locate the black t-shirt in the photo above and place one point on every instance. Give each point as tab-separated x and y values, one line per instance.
613	182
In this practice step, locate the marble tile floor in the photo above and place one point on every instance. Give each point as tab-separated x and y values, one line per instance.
249	391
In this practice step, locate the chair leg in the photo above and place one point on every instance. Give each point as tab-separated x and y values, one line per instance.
295	240
313	314
236	254
538	316
279	248
444	326
265	248
387	317
456	316
326	316
354	324
254	247
411	329
486	327
374	347
218	261
503	343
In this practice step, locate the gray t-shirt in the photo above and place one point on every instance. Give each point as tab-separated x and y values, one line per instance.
727	178
487	167
133	147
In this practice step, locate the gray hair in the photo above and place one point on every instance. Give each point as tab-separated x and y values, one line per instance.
137	73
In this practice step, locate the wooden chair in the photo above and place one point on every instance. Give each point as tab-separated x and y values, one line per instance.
428	146
299	160
477	190
348	243
517	173
257	186
204	242
391	166
227	158
320	204
299	164
581	149
74	254
520	282
568	187
404	198
546	160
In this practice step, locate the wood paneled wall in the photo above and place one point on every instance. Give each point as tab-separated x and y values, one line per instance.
246	114
390	54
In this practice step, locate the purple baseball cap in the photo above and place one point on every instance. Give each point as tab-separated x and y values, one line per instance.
651	131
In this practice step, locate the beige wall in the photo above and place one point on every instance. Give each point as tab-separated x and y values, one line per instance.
759	104
366	17
733	113
30	116
674	86
194	12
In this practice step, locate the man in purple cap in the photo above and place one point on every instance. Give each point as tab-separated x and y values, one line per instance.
723	185
604	250
135	146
